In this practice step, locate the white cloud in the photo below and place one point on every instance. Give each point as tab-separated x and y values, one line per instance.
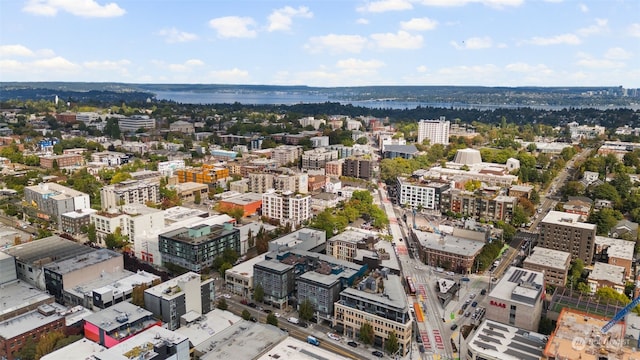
359	67
584	8
57	63
173	35
598	28
386	5
422	69
399	40
362	21
634	30
15	50
335	44
234	27
83	8
491	3
617	53
568	39
594	63
521	67
106	64
187	66
474	43
281	19
419	24
12	66
231	76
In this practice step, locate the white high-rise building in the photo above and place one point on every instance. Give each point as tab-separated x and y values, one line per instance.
437	131
286	206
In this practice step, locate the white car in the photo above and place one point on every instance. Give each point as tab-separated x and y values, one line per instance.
226	296
333	336
277	314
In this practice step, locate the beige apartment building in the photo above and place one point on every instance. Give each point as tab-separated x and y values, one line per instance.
553	264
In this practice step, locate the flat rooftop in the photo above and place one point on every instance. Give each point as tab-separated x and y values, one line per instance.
246	268
178	213
26	322
449	243
573	324
324	279
117	282
81	349
47	249
350	236
244	199
18	294
79	213
108	319
394	295
155	336
79	262
242	340
604	271
171	288
207	326
506	342
54	188
617	248
294	349
304	239
518	285
549	258
566	219
192	234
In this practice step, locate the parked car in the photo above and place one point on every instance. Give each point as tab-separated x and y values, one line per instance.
377	353
252	305
293	320
352	344
277	314
467	314
253	318
333	336
474	304
483	292
454	326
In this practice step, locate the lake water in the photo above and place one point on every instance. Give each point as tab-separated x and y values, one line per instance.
292	97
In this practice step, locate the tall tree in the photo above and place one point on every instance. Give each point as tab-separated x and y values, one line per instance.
272	319
305	310
391	344
222	304
246	315
47	343
258	293
366	333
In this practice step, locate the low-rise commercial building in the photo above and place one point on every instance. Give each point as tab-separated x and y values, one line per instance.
250	203
516	299
115	324
157	343
61	161
495	341
553	264
34	324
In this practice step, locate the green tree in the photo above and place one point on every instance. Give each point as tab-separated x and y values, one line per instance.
258	293
197	199
305	310
137	294
246	314
222	304
606	293
120	177
272	319
519	216
391	345
366	333
28	351
47	343
605	220
92	234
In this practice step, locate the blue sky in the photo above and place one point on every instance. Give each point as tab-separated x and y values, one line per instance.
324	42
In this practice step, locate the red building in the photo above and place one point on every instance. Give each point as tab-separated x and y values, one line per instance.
117	323
28	327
